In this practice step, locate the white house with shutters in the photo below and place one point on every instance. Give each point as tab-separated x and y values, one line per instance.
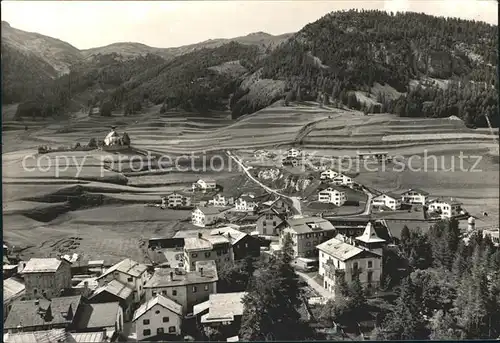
158	316
333	196
414	196
342	180
390	200
328	174
206	184
448	208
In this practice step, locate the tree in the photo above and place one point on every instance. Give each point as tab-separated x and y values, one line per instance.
92	143
288	253
406	322
270	306
356	294
106	109
443	327
289	97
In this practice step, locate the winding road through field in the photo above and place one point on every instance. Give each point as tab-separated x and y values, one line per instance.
295	201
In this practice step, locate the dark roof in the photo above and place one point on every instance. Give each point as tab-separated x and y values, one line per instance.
304	224
418	190
57	311
396	226
95	316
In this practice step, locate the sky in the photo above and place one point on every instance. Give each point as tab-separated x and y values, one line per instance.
87	24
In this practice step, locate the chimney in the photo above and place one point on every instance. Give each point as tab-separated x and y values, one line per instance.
201	271
228	235
171	276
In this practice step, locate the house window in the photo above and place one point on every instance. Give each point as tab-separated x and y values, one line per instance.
157	312
355	266
171	329
154	293
274	223
264	223
160	331
166	319
370	264
146	332
224	251
130	279
207	254
206	287
195	289
164	292
174	292
194	255
145	322
308	244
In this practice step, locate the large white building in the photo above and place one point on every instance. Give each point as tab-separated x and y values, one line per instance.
448	208
205	216
414	196
246	203
206	184
221	200
390	200
293	152
176	200
342	180
332	196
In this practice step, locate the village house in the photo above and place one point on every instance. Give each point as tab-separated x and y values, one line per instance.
205	216
246	203
206	184
222	311
46	277
156	317
104	317
207	248
268	222
447	208
414	196
494	235
222	200
333	196
339	257
243	244
43	314
293	153
389	200
342	180
129	273
306	233
278	205
13	289
328	174
185	288
176	200
115	291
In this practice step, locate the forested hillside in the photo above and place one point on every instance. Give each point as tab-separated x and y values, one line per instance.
350	51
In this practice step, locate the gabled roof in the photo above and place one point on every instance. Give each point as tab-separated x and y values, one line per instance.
230	233
42	265
450	201
370	235
224	307
207	180
417	190
127	266
116	288
12	288
163	277
44	336
158	300
209	210
306	224
341	250
41	312
96	316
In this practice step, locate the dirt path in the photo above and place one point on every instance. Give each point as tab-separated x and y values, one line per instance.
314	285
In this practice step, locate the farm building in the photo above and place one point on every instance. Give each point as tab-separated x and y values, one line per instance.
379	156
333	196
13	289
115	291
267	222
246	203
389	200
222	200
46	277
414	196
447	208
203	216
243	244
112	138
206	184
104	317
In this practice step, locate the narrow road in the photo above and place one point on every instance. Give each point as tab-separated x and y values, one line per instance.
314	285
295	201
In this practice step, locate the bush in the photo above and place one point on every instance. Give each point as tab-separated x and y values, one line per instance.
92	143
106	109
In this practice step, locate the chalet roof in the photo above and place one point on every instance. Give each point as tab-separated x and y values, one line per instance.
209	210
12	288
417	190
100	315
127	266
333	188
229	233
43	336
224	307
207	180
340	250
370	235
42	265
162	277
303	224
116	288
450	201
392	195
41	312
206	242
164	302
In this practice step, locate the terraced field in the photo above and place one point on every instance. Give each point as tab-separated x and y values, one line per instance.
104	208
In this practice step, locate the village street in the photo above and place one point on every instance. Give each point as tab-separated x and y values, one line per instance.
295	200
